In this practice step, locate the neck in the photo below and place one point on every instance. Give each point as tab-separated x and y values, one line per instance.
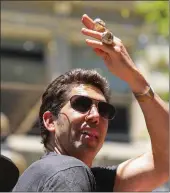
57	150
53	146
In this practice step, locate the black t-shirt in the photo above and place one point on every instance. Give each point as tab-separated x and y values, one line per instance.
104	178
62	173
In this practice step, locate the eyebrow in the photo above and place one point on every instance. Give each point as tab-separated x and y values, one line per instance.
102	100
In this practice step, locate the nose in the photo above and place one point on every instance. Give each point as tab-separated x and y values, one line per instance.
93	115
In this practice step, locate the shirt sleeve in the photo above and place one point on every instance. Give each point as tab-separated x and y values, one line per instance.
77	179
105	178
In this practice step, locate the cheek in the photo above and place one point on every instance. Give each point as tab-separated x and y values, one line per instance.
76	120
76	117
104	126
73	116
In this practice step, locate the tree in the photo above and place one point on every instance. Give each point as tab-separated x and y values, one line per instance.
155	12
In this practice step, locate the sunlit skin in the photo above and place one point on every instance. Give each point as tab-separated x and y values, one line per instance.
67	129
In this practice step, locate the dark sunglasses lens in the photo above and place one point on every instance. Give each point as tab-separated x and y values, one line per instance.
106	110
81	103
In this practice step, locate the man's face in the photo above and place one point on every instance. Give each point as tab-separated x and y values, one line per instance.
79	133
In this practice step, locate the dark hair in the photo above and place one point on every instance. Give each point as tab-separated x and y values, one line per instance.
56	94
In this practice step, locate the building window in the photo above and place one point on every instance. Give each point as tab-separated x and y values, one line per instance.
23	78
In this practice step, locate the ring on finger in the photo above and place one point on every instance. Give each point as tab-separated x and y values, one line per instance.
107	38
99	25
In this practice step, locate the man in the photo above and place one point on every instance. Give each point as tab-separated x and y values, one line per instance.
74	117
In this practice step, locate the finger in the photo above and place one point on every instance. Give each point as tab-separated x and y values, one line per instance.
87	21
97	44
101	53
117	48
117	41
98	51
104	49
92	33
98	35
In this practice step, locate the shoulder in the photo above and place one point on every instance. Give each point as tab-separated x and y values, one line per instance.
59	162
66	173
52	163
53	171
73	178
105	178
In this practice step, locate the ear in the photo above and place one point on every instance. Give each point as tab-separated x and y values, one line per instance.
48	120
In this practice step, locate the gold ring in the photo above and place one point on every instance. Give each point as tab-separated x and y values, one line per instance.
99	25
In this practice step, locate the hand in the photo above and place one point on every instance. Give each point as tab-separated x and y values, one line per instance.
115	56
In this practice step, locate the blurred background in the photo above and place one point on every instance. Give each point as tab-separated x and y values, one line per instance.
41	40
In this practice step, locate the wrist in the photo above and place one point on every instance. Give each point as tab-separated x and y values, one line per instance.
142	97
139	84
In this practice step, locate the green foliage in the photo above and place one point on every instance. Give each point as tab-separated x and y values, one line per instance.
161	65
156	12
164	96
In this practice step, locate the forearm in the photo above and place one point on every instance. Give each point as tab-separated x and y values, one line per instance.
156	115
157	121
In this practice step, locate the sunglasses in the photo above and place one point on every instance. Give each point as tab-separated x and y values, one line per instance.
83	104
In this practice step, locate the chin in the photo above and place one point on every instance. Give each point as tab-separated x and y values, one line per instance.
87	148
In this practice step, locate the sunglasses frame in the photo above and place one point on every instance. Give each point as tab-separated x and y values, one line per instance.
94	101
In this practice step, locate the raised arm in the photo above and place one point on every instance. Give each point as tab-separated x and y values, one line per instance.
150	170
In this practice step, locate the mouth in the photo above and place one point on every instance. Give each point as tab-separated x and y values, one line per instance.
90	134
